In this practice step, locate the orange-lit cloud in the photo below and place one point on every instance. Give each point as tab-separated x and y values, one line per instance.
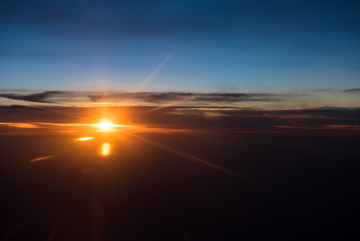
20	125
47	124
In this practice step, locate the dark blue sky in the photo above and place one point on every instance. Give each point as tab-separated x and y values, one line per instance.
201	46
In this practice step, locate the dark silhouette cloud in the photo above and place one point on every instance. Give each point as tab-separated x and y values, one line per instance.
39	97
184	99
352	90
146	97
22	107
160	97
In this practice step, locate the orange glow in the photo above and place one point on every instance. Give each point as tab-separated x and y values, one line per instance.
107	126
20	125
85	138
105	149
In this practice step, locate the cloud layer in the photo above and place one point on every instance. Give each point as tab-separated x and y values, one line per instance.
179	119
145	97
290	100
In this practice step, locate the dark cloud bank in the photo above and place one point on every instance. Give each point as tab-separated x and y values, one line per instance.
39	97
159	97
146	97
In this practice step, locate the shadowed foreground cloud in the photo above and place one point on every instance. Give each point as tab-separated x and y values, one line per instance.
184	151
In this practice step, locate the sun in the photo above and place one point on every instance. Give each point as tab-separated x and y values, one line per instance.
105	125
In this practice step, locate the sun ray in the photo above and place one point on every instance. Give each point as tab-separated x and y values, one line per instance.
167	206
158	68
188	156
174	103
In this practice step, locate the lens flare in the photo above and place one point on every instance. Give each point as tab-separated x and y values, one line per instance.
41	158
105	149
85	138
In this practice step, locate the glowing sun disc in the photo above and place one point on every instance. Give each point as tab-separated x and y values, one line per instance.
105	125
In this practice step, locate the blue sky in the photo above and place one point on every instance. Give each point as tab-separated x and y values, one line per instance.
196	46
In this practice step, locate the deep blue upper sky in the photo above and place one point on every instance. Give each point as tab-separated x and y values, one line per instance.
195	45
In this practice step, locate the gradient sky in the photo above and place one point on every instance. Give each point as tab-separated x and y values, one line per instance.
229	119
182	46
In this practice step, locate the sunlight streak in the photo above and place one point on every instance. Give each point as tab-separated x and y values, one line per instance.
167	206
175	103
158	68
188	156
